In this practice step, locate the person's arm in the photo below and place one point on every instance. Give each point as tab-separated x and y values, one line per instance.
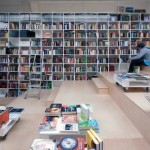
139	55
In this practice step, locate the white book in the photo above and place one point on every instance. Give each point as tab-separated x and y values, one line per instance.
43	144
85	111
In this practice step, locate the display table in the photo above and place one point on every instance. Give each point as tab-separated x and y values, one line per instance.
127	80
71	120
14	117
57	131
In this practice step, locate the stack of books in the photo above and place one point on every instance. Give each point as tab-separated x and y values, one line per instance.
54	109
68	110
70	118
93	140
89	124
85	121
60	109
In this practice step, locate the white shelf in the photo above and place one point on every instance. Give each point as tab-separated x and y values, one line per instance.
72	33
13	118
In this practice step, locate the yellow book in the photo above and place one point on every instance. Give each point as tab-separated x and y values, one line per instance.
98	138
92	142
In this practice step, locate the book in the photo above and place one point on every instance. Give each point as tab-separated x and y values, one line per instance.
85	111
98	139
43	144
71	143
84	131
16	110
68	127
78	107
68	109
54	109
92	123
81	119
49	123
69	119
50	126
50	119
92	142
9	108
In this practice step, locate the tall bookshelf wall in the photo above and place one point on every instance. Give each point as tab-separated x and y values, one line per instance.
75	45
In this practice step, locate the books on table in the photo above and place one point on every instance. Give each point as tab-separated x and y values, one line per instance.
92	123
69	119
68	109
48	126
43	144
85	111
98	139
89	124
71	143
49	123
78	107
65	143
54	109
93	140
69	127
69	124
59	109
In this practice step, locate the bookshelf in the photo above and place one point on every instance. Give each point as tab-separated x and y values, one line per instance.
75	45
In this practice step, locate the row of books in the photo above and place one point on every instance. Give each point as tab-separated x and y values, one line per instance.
76	114
59	109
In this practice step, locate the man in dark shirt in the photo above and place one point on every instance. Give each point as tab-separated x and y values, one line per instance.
142	58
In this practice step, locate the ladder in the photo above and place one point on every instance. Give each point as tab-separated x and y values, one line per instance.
35	76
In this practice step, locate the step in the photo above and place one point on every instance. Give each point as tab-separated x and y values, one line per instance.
101	87
52	96
134	104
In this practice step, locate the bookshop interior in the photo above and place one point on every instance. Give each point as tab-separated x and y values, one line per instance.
75	75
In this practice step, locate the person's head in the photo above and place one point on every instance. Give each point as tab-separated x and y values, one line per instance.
140	45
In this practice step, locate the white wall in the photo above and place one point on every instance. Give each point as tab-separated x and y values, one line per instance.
85	6
15	5
70	5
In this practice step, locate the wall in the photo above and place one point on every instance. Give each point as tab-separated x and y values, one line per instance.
84	6
15	6
70	5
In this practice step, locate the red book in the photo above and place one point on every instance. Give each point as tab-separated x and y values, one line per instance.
69	119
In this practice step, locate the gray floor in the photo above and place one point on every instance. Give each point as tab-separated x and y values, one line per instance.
116	129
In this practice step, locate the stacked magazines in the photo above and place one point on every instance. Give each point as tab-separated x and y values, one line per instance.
70	118
60	109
